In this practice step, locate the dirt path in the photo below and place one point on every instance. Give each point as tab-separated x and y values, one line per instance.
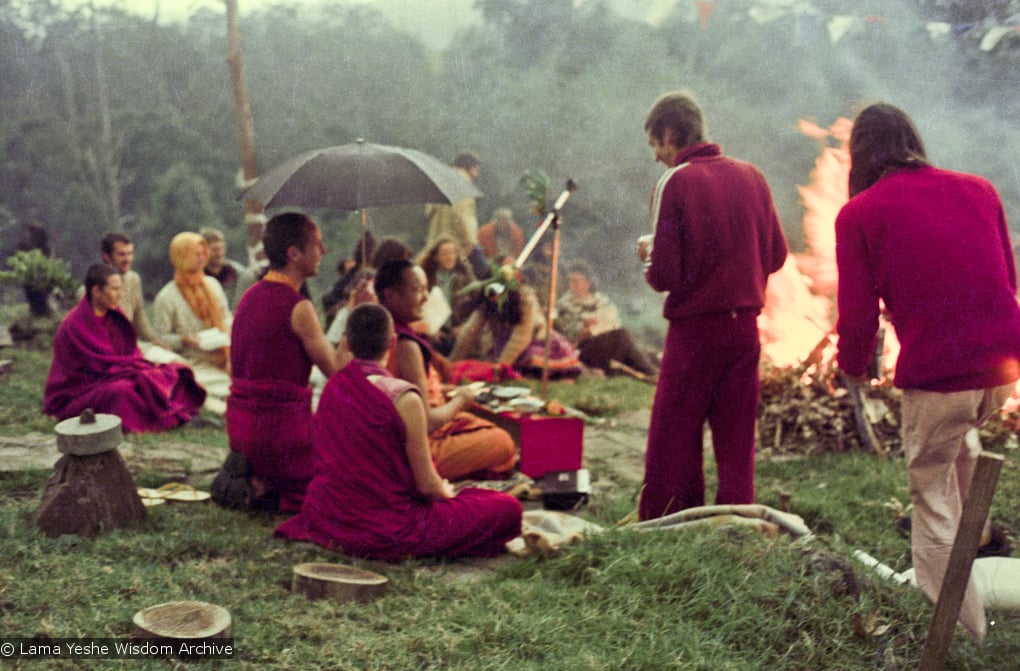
613	453
176	459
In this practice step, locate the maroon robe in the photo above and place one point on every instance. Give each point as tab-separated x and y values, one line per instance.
269	410
363	499
97	364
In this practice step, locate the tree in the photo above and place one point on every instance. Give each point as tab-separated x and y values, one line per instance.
182	201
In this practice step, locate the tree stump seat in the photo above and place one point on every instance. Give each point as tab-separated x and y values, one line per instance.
338	582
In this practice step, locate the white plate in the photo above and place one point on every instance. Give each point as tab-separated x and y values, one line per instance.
510	392
476	387
526	405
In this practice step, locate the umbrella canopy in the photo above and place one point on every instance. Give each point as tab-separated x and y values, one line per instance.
360	175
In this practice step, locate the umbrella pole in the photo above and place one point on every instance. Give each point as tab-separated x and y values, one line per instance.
364	262
554	265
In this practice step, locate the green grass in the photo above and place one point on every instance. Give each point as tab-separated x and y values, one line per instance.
726	599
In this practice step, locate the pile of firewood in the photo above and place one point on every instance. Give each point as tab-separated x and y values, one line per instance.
811	410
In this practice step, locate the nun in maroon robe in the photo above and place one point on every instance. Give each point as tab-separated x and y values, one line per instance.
363	499
97	364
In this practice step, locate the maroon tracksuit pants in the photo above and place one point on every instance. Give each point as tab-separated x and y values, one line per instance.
709	373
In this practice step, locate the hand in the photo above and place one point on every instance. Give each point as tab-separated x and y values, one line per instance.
440	490
463	396
644	246
857	380
363	292
446	490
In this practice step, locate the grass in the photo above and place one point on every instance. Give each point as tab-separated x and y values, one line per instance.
720	600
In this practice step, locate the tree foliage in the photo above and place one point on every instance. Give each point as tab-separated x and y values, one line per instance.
549	85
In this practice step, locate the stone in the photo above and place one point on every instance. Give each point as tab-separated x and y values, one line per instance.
88	494
91	489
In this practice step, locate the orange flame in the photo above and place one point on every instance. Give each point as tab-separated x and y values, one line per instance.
799	311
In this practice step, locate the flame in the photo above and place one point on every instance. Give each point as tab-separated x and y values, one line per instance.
800	297
798	320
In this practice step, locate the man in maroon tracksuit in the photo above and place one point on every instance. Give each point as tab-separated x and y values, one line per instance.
716	240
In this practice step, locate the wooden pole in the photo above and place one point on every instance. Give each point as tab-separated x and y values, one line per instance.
961	559
245	127
551	308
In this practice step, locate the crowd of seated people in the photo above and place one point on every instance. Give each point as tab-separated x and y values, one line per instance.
272	340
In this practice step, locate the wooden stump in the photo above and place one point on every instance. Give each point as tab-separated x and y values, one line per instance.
182	620
338	582
91	488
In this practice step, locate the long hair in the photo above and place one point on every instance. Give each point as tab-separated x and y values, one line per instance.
283	231
429	262
884	138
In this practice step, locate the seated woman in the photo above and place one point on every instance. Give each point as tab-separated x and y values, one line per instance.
445	269
511	313
590	320
97	364
190	303
376	493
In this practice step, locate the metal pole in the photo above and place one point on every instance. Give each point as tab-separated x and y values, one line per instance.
546	223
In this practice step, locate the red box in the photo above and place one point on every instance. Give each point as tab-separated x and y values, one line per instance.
545	443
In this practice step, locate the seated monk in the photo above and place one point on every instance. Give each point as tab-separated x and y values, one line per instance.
276	339
376	492
97	364
462	444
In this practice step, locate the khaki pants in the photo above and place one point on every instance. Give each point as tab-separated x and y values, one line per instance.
941	445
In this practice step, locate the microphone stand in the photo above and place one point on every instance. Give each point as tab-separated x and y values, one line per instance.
551	219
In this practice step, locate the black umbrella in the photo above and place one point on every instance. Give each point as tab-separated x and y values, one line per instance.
360	175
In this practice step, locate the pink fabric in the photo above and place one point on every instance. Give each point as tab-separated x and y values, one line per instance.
97	364
363	500
472	370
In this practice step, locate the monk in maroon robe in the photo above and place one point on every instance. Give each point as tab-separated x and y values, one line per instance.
275	341
97	364
376	492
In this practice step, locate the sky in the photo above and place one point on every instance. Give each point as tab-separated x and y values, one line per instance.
434	21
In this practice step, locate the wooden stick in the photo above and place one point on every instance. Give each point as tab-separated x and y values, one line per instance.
865	431
961	559
551	308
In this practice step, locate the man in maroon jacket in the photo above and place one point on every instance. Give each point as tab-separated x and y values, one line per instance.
716	240
933	246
